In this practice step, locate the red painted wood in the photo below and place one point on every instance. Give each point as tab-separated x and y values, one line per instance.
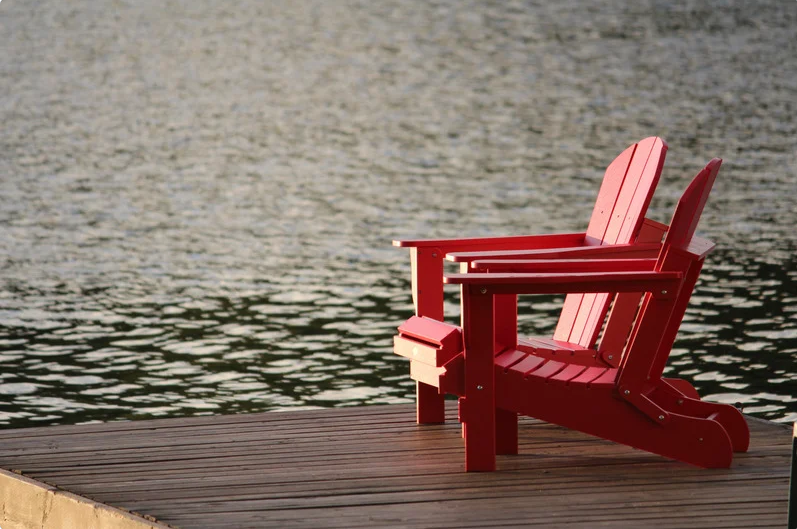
654	333
683	387
619	323
443	336
478	406
589	375
568	373
527	365
509	358
648	179
427	270
606	379
646	250
597	411
630	189
427	294
554	345
556	349
590	316
612	186
505	322
430	404
690	206
625	306
563	265
631	404
573	305
522	242
452	380
652	231
427	290
594	321
692	268
731	419
519	283
417	351
561	380
506	432
548	370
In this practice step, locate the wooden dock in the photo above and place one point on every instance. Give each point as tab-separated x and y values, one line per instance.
374	467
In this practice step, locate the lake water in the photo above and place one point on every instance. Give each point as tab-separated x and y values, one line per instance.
197	198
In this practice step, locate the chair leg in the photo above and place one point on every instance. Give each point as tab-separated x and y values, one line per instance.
506	432
480	441
478	409
430	404
427	295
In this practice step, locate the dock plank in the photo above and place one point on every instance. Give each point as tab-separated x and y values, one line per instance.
371	467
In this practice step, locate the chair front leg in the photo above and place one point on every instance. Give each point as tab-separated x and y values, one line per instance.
427	295
477	409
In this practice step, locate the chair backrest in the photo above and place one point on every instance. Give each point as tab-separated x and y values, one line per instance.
689	208
623	199
657	324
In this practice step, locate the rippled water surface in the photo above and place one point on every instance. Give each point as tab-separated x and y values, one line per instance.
197	198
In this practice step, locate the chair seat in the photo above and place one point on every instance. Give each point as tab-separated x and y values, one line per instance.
566	368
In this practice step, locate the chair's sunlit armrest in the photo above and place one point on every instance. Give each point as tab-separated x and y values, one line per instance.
522	242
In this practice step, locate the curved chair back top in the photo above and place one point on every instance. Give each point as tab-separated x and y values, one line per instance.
690	207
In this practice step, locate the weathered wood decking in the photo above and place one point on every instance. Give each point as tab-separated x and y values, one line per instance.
373	467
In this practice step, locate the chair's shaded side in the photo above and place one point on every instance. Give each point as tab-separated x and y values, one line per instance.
625	306
645	360
637	364
619	211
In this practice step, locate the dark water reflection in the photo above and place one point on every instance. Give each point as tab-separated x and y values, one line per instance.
197	198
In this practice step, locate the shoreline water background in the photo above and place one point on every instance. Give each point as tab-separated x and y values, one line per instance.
197	198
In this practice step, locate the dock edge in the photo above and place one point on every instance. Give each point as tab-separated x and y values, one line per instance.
29	504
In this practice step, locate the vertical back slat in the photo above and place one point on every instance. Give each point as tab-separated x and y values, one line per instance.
613	180
640	200
634	197
616	219
625	305
634	214
591	304
610	188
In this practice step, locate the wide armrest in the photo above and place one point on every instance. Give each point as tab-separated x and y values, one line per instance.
642	250
660	284
527	242
564	265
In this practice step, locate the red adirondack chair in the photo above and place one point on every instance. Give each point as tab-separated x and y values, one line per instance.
617	227
630	404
